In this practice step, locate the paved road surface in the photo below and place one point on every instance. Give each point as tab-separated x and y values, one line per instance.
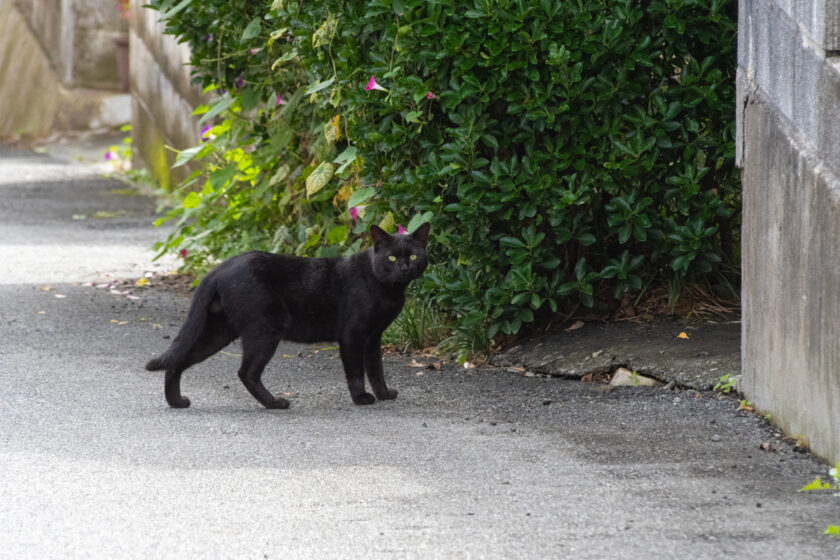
465	464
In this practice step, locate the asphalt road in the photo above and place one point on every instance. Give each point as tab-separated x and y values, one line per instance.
477	463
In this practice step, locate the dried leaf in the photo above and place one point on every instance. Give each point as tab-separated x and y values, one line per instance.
142	282
575	326
682	335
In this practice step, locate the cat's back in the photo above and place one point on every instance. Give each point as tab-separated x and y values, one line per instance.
275	270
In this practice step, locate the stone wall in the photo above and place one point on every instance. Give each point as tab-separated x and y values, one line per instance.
789	150
162	97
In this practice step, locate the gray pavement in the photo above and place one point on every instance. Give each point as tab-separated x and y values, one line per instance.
466	463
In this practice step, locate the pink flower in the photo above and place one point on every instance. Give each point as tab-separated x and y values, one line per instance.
280	101
354	213
430	95
373	85
183	254
401	229
110	154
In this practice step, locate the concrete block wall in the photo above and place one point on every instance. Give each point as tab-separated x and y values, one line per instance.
789	150
77	36
39	94
163	98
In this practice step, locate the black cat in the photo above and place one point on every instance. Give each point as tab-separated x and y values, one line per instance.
264	298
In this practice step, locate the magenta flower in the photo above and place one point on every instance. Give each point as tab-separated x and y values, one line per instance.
280	101
183	254
373	85
110	154
401	229
354	213
430	95
205	133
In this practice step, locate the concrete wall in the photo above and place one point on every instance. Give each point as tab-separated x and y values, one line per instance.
789	150
77	36
39	94
162	97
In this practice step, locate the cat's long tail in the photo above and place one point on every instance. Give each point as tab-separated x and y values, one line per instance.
179	351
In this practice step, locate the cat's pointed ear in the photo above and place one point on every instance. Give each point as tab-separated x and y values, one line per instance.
422	233
378	234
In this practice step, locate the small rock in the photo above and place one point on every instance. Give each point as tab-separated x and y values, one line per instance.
715	437
546	402
623	377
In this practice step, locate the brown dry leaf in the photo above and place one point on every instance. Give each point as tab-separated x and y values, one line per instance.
420	373
434	365
766	446
575	326
415	363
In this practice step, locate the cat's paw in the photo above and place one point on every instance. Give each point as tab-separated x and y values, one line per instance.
278	403
364	398
180	402
387	395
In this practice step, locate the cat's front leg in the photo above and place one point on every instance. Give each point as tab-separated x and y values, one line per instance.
373	367
352	358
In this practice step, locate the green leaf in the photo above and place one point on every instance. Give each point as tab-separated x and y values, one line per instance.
337	235
251	30
216	107
413	116
186	155
221	177
315	88
832	530
291	55
191	200
586	239
361	196
816	484
345	158
418	220
511	242
319	178
169	13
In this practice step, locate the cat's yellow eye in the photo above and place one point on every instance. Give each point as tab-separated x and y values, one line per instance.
413	257
392	258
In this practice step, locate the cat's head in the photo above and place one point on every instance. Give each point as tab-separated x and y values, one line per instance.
399	259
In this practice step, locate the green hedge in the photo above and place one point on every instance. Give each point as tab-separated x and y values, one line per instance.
560	149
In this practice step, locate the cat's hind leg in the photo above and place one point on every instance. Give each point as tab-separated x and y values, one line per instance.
258	347
217	334
172	388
